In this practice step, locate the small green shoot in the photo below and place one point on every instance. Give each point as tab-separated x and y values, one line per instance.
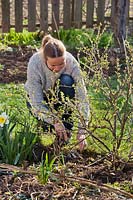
45	169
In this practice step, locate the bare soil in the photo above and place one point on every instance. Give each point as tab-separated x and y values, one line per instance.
13	63
81	167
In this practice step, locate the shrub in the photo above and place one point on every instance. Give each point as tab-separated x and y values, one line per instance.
111	105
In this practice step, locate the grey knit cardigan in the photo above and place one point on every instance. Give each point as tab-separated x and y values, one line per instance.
40	78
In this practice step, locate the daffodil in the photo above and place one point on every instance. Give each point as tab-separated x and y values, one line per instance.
3	119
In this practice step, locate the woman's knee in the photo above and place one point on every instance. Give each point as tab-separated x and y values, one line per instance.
67	85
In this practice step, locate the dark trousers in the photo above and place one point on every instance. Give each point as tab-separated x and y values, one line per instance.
66	87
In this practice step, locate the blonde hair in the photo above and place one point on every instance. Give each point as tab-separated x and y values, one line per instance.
52	47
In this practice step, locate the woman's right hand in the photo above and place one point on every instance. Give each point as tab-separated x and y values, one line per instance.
61	131
82	142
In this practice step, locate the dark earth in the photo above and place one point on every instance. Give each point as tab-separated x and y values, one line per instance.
84	174
14	64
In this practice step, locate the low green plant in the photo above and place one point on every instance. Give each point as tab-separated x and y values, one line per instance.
46	139
124	185
45	169
72	38
77	38
19	39
1	67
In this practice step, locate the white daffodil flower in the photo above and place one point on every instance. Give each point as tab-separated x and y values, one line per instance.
3	119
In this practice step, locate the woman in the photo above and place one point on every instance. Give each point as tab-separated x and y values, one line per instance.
53	71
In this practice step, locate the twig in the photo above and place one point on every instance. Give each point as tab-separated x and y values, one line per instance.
93	136
6	167
75	194
100	159
101	186
56	26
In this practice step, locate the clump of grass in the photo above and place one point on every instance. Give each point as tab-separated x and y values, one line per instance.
16	141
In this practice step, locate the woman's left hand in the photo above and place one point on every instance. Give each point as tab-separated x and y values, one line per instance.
61	131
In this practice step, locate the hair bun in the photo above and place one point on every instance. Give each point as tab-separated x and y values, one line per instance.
46	39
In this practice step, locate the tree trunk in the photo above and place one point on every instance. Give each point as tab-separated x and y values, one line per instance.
118	22
90	13
100	11
5	16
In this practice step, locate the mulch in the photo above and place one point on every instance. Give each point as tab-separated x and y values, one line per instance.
78	178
